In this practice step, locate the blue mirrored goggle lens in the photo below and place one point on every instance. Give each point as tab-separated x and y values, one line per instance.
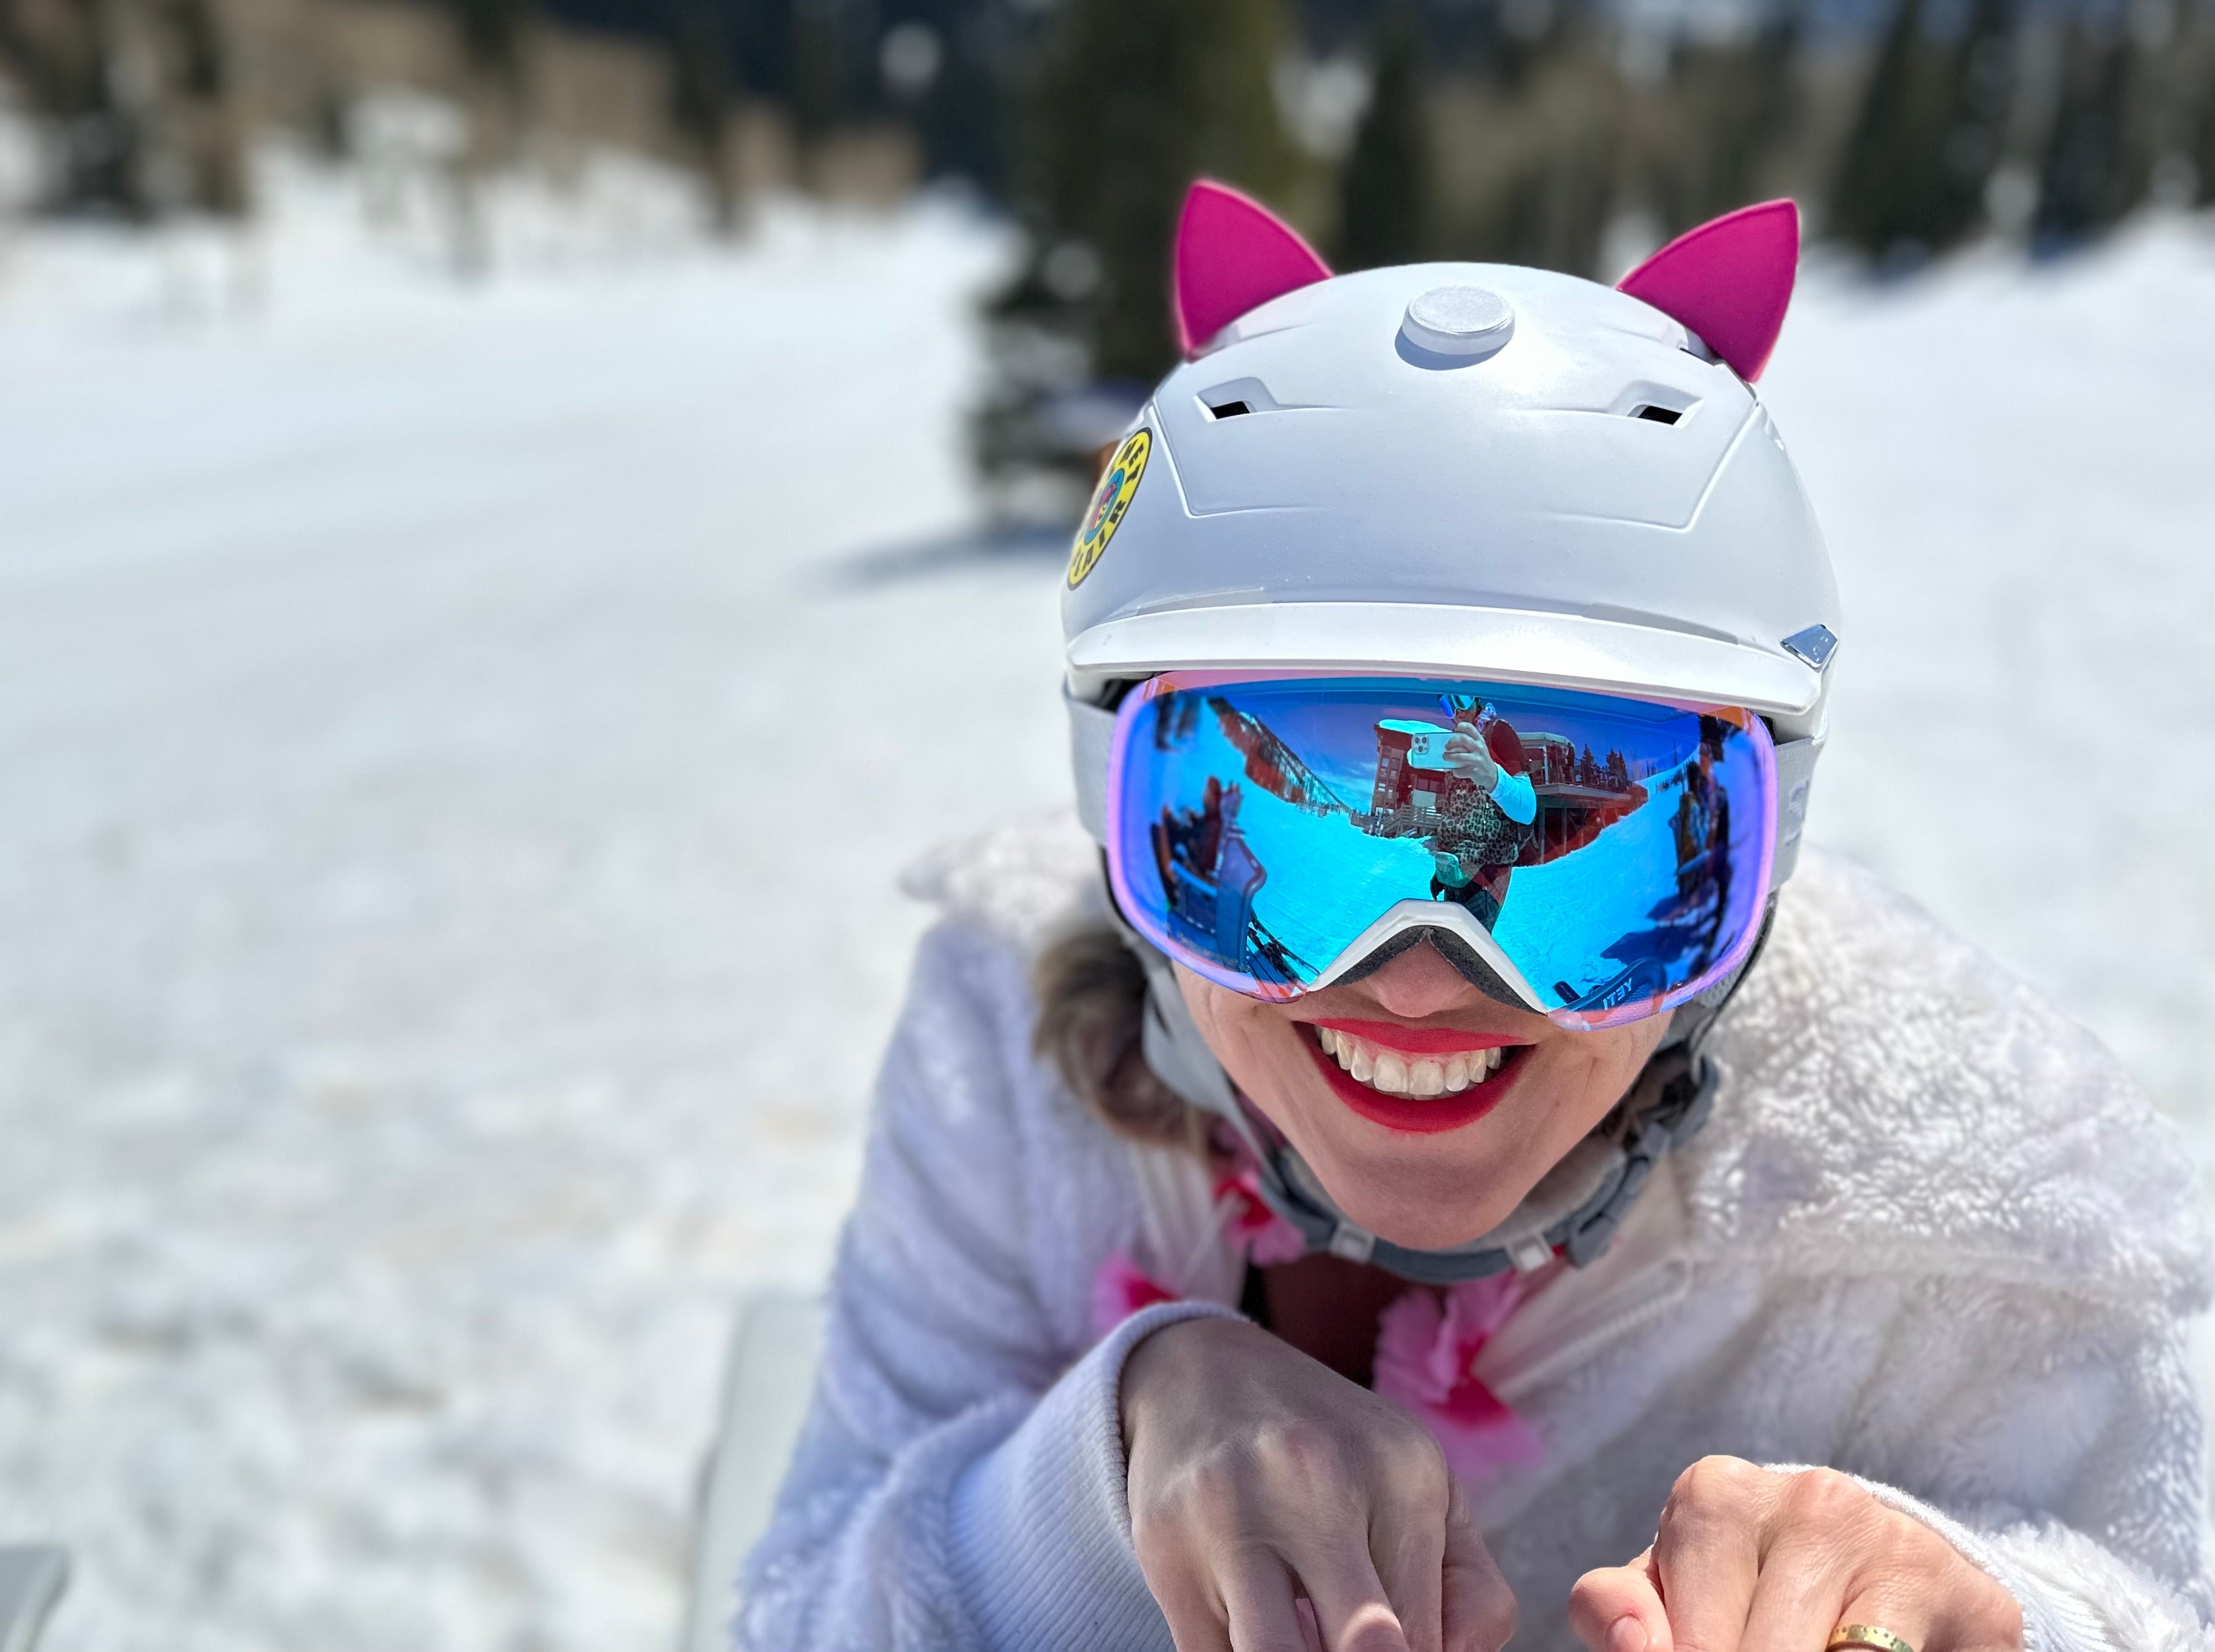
1616	851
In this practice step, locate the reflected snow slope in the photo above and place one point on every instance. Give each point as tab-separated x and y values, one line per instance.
456	782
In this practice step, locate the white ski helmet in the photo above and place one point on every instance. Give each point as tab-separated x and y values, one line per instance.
1464	470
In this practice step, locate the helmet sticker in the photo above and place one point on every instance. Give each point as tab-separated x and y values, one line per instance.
1109	502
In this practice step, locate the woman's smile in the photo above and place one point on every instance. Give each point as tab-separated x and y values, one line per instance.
1419	1079
1425	1108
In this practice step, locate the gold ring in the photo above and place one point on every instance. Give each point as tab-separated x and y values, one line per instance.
1866	1635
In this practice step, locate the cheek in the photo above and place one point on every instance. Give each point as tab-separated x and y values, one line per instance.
1611	1061
1247	1038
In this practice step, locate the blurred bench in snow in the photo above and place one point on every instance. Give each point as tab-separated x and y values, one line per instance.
768	1376
31	1581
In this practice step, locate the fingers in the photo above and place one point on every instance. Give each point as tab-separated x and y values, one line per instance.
1708	1555
1825	1528
1260	1608
1410	1559
1751	1560
1351	1606
1618	1609
1799	1600
1476	1607
1911	1620
1194	1623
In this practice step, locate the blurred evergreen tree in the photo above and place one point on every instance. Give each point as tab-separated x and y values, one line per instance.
1137	98
1384	192
63	61
492	34
213	150
823	79
2085	184
1980	96
1885	200
2201	143
965	116
1733	107
1547	189
1126	101
699	77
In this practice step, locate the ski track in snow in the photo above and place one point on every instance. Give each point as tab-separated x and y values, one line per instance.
462	743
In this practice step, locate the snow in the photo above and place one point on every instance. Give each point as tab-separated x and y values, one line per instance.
2017	469
461	737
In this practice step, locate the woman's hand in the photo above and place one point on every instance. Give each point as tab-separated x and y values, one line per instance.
1467	755
1257	1475
1748	1560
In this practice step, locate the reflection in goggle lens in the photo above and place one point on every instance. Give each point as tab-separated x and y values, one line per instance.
1616	850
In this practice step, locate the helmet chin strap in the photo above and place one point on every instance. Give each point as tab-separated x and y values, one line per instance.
1575	1210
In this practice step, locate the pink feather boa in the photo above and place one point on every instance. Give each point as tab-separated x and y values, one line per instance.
1427	1346
1427	1341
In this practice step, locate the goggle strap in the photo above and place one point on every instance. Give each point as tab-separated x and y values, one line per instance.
1091	742
1795	770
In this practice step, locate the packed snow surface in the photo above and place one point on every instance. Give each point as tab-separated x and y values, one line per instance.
462	736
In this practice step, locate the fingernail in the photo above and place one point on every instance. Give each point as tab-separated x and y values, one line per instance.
1627	1635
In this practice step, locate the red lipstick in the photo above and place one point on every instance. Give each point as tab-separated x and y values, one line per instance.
1420	1115
1420	1041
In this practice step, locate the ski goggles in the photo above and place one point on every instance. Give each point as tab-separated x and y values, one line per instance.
1593	858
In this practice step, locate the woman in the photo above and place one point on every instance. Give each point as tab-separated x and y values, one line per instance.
1271	1248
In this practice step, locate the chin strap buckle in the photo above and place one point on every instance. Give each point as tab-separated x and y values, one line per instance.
1529	1254
1350	1243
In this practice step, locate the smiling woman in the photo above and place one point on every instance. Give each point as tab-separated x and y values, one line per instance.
1478	1176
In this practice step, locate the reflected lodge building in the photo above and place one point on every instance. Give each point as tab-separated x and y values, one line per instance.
1415	785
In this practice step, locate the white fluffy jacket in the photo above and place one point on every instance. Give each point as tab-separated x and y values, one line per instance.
1930	1236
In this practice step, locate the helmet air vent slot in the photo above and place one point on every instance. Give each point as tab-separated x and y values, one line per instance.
1235	399
1657	402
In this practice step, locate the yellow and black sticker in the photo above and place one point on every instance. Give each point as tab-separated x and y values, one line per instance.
1109	501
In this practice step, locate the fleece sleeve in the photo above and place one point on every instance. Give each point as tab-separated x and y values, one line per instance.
959	1483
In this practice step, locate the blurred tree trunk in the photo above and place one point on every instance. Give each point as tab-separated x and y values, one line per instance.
700	99
1980	83
203	122
493	35
1385	192
823	78
2085	183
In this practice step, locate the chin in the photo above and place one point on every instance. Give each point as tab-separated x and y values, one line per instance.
1417	1203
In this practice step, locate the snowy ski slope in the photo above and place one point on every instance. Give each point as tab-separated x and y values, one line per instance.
460	743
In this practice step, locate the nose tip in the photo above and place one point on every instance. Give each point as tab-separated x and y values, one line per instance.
1421	981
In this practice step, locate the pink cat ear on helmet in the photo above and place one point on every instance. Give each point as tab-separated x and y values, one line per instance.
1232	254
1729	281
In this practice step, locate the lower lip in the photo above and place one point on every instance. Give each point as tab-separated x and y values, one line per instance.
1418	1115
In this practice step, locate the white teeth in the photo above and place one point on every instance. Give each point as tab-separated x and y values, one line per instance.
1396	1074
